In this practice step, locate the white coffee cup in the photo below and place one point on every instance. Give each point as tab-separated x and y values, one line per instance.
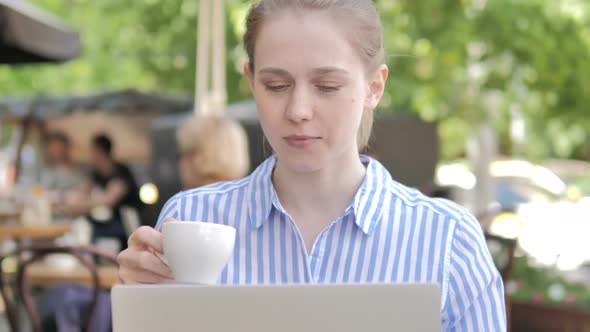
196	251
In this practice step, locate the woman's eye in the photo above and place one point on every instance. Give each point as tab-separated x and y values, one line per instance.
327	88
277	87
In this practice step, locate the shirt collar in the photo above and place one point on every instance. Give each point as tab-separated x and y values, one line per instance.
260	193
367	205
369	202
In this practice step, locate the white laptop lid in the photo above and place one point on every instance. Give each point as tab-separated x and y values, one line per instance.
287	308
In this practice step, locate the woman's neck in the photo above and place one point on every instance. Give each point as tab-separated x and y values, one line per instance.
323	194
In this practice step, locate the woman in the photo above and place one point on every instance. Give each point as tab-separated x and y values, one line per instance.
212	149
317	212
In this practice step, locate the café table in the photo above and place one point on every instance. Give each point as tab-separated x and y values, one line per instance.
41	274
22	231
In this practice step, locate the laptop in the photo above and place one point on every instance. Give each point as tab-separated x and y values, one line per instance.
274	308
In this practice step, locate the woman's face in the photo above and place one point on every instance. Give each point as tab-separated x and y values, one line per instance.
311	89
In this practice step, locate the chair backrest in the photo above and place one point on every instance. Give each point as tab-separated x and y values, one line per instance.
20	287
502	251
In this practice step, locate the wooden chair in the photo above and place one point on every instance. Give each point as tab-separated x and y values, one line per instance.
504	258
21	290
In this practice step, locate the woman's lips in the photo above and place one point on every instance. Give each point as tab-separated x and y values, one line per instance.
301	141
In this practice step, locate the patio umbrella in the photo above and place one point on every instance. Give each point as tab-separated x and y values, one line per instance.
122	101
31	35
90	114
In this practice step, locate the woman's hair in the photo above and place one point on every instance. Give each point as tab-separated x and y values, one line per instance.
360	17
218	146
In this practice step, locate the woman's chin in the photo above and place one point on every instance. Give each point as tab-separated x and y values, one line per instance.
301	163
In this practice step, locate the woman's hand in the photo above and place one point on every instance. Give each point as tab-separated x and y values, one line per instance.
143	261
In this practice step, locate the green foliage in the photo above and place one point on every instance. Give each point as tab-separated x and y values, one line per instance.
454	62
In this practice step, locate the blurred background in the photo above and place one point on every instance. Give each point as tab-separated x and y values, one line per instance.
494	93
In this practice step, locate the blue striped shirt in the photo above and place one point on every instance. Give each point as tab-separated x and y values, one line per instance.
389	233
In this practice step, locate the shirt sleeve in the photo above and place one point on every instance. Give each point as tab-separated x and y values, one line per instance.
170	210
475	299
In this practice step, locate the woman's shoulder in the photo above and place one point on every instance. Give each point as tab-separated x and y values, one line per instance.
413	198
217	188
204	200
388	188
214	190
201	198
457	218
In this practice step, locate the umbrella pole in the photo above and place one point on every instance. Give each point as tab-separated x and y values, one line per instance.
207	101
219	93
25	126
202	68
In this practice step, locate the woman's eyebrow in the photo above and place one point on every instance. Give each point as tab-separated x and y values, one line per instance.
329	70
316	71
274	71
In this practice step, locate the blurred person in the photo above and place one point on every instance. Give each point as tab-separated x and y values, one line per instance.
111	186
60	173
211	149
317	209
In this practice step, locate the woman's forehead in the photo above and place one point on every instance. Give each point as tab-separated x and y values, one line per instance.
308	39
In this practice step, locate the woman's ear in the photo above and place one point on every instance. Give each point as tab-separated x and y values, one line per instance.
376	86
249	75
